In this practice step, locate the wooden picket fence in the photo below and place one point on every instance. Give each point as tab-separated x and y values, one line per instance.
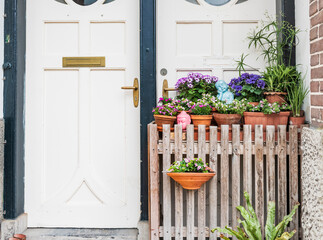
266	164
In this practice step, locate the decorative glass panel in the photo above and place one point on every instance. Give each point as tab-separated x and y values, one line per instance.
217	2
84	2
193	1
61	1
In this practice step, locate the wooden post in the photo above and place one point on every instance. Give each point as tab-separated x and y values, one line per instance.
154	182
259	178
247	160
214	180
282	178
202	191
190	193
178	187
224	175
293	176
235	174
167	217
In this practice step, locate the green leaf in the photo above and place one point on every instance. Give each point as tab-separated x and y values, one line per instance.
286	235
270	223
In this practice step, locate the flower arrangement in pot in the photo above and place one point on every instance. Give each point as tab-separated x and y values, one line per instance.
228	114
190	173
267	114
249	86
201	114
195	85
166	112
251	228
296	95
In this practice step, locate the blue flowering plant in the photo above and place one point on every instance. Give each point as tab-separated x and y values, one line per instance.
236	107
189	165
201	109
195	85
268	108
249	86
166	107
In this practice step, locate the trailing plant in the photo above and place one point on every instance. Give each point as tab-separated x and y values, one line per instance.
201	109
189	165
251	227
236	107
296	95
195	85
249	86
268	108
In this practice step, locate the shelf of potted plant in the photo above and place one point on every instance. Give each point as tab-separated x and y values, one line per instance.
191	174
267	114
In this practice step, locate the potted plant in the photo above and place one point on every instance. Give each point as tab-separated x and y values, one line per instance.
296	96
249	86
201	114
228	114
191	174
251	228
166	112
195	85
267	114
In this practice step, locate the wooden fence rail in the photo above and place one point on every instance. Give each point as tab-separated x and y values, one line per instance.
262	163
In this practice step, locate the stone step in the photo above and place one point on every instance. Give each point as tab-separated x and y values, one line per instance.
80	234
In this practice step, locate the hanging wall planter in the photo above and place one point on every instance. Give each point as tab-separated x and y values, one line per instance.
191	180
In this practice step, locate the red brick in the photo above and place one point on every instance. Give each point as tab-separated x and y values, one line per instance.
317	100
321	58
314	33
321	4
317	46
316	113
321	86
313	8
321	30
315	60
317	73
317	19
315	86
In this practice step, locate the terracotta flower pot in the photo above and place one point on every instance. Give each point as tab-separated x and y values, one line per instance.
191	180
254	103
20	236
279	97
259	118
227	119
297	121
201	120
161	119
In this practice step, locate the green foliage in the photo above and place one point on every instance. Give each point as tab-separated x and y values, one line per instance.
251	226
296	96
189	165
236	107
201	109
268	108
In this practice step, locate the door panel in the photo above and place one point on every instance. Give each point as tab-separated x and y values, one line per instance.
206	36
82	130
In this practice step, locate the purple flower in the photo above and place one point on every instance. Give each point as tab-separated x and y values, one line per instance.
261	84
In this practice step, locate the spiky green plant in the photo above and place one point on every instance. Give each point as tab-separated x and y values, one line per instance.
251	227
296	95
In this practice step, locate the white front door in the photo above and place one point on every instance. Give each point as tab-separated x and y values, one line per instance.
82	131
206	36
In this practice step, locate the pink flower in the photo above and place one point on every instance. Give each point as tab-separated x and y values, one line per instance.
199	167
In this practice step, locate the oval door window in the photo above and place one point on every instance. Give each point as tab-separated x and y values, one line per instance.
85	2
217	2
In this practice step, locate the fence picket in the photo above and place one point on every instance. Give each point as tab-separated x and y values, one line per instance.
167	217
224	176
293	176
154	212
214	181
190	193
247	161
202	191
178	188
282	178
259	178
270	143
235	174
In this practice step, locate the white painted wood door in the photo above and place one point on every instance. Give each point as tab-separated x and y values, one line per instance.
82	130
196	36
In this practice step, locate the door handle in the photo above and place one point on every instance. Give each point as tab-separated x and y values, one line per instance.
135	89
166	89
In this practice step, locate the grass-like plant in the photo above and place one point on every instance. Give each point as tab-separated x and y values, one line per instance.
296	95
251	228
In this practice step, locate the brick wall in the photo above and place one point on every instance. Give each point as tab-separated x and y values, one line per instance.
316	39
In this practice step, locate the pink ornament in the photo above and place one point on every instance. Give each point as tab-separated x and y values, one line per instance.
183	119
